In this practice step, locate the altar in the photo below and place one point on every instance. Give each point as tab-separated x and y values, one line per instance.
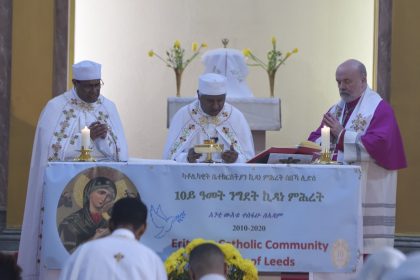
284	217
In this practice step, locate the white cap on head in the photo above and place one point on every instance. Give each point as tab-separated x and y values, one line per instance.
212	84
231	64
86	70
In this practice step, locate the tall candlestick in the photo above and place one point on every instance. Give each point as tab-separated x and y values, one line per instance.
85	138
325	139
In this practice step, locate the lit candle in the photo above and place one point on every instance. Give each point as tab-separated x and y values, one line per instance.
325	139
85	138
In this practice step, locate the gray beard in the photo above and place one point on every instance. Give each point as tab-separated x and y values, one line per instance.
345	96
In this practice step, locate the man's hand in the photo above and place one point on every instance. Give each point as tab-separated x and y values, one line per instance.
97	130
230	156
192	156
332	122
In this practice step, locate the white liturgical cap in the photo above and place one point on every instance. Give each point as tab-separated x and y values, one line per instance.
212	84
231	64
86	70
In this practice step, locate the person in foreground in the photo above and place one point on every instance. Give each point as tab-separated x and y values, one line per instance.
58	138
9	270
380	263
409	269
120	255
207	262
365	131
209	118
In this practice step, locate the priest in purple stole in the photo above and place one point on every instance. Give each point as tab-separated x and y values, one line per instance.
365	133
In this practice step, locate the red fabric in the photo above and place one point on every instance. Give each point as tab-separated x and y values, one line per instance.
96	217
348	110
294	276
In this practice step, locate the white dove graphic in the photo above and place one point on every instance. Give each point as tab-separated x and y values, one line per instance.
163	222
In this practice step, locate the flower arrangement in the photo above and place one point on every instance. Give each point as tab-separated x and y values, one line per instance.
175	60
275	59
238	268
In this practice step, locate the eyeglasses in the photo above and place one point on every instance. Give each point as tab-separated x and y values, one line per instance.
90	85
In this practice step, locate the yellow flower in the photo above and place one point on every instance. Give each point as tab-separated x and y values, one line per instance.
177	262
169	266
175	56
246	52
181	266
275	58
194	47
204	45
231	253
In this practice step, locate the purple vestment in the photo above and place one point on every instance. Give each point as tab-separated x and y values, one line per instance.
382	138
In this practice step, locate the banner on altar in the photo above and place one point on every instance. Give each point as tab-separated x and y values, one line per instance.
284	218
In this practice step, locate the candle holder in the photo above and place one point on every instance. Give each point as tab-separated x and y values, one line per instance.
325	158
84	155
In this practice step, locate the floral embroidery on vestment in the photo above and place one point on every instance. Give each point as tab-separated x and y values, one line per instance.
232	139
84	105
64	129
202	120
185	132
61	134
73	139
338	112
359	123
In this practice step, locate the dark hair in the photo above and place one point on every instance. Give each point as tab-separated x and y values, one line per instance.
129	211
9	269
206	258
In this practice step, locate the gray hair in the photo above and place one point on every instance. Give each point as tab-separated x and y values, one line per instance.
357	64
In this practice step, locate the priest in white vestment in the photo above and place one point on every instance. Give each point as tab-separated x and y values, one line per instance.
209	118
58	138
119	256
365	131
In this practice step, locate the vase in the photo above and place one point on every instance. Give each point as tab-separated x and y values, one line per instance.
178	77
271	79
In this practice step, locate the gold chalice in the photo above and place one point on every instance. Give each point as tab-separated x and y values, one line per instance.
209	147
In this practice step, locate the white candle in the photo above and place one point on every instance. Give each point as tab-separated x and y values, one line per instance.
325	139
85	137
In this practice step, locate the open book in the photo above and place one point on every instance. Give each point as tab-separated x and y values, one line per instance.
285	155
